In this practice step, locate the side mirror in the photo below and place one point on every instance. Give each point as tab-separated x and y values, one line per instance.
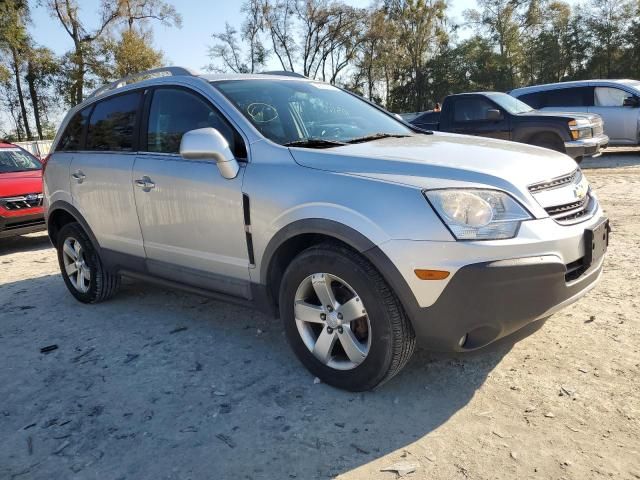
494	114
633	102
209	144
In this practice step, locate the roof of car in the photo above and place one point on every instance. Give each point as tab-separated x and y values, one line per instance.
7	145
577	83
218	77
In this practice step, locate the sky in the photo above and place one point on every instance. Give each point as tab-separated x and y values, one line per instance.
186	46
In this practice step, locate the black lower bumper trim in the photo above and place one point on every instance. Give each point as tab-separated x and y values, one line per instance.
13	226
487	301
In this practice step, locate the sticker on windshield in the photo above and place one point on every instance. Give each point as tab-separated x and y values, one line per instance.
324	86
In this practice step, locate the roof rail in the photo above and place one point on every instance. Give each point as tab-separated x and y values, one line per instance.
284	73
138	77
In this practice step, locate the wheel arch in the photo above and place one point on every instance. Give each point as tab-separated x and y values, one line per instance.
525	132
61	213
302	234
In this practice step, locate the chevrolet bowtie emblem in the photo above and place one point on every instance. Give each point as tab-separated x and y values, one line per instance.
580	190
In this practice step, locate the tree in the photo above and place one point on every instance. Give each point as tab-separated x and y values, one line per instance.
229	51
133	54
83	56
140	12
42	71
418	27
14	43
608	21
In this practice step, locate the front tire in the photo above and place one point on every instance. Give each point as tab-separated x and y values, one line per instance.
342	320
550	141
81	266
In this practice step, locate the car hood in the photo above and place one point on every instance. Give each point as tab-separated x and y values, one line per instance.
592	117
442	160
20	183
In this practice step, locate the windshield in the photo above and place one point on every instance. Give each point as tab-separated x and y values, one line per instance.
635	84
510	104
292	112
17	160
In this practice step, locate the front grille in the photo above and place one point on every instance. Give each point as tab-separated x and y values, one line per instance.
554	183
19	203
567	199
571	213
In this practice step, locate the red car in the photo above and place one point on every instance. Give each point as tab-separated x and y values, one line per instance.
20	192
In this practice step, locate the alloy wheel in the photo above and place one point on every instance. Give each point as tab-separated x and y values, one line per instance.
75	266
332	321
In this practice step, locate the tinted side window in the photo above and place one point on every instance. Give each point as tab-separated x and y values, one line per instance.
569	97
534	100
174	112
610	97
72	137
471	109
112	123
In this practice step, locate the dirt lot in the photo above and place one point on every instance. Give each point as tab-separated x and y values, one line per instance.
156	384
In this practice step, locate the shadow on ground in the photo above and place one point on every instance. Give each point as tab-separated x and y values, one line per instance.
28	243
614	158
157	384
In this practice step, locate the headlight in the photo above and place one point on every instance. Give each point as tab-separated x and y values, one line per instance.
472	214
580	128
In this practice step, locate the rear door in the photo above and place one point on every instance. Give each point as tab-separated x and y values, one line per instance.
571	99
620	122
100	174
191	217
468	115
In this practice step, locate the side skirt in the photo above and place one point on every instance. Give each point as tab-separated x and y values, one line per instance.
135	267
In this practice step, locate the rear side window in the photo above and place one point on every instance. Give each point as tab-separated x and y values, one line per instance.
72	137
174	112
471	109
534	100
610	97
113	122
569	97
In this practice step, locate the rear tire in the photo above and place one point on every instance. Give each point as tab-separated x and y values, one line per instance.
384	337
81	266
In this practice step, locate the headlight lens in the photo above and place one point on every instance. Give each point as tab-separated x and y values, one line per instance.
472	214
580	128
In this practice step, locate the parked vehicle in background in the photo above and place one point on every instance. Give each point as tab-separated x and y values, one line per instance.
21	208
616	101
498	115
38	148
361	232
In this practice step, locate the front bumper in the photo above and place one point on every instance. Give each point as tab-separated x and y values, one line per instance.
487	301
495	287
22	224
588	147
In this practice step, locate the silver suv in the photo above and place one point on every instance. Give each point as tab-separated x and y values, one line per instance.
361	232
616	101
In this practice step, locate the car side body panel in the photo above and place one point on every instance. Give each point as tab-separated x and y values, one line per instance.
621	124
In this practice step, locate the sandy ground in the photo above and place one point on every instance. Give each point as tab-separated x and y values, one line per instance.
162	385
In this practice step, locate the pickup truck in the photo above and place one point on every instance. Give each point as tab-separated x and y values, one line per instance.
501	116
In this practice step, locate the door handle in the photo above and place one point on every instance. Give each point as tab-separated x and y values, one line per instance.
145	183
78	176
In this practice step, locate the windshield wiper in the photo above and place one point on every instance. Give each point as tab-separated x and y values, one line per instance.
314	143
376	136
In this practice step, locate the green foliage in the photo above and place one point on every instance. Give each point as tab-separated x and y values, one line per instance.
133	54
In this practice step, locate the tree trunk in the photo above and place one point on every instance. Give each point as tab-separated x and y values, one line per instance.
23	108
79	94
31	80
